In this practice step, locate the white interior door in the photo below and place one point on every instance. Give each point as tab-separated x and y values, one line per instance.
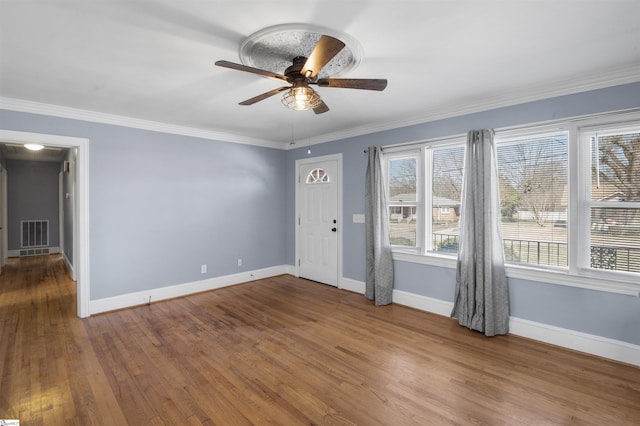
318	226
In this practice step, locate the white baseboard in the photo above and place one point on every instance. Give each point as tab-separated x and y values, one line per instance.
583	342
70	267
351	285
163	293
343	283
588	343
291	270
424	303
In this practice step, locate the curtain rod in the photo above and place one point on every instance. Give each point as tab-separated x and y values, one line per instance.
422	142
517	127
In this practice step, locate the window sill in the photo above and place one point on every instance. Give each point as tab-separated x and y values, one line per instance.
432	259
591	282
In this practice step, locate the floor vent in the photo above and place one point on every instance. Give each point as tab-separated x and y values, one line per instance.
35	234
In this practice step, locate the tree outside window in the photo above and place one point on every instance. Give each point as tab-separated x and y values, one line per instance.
615	192
533	177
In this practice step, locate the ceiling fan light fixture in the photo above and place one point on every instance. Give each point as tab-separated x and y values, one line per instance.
301	98
33	146
305	68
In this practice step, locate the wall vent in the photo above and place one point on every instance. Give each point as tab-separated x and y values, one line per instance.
34	252
34	234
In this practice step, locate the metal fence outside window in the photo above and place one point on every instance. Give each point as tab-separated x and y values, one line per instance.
617	258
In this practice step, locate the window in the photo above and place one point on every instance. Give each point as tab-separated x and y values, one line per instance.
569	201
533	179
317	176
402	199
428	221
446	194
613	198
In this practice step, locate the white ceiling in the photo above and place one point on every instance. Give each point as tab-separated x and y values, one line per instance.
153	60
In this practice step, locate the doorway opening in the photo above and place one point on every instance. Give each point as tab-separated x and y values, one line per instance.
80	252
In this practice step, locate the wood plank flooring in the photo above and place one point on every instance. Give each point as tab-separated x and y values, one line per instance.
282	351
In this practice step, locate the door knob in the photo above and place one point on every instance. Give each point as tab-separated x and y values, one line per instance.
334	229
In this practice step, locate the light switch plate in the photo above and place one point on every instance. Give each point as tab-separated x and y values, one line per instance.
358	218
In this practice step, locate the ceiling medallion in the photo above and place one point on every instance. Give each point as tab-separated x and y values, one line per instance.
274	48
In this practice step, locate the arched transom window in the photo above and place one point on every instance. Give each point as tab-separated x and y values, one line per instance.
317	175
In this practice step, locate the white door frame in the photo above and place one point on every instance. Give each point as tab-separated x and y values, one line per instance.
299	164
4	239
81	222
61	212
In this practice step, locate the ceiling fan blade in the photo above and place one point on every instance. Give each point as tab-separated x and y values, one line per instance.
240	67
321	108
326	48
354	83
263	96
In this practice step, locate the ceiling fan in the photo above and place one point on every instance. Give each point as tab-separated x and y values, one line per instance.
303	73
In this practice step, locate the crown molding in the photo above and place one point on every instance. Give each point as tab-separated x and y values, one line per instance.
535	93
563	87
119	120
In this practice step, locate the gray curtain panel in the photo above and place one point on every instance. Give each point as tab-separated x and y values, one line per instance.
379	280
482	298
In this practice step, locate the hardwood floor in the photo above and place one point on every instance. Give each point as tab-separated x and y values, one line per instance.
282	351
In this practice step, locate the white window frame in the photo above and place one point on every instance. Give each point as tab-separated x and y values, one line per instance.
518	136
423	151
585	203
420	210
578	273
453	142
312	178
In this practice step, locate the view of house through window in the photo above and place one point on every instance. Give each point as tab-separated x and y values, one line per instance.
425	190
402	199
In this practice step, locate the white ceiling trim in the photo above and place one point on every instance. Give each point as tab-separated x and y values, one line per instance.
119	120
561	88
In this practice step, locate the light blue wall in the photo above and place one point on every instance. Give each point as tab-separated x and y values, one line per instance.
161	205
604	314
32	194
599	313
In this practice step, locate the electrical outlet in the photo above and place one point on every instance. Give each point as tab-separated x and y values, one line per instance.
239	262
203	269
